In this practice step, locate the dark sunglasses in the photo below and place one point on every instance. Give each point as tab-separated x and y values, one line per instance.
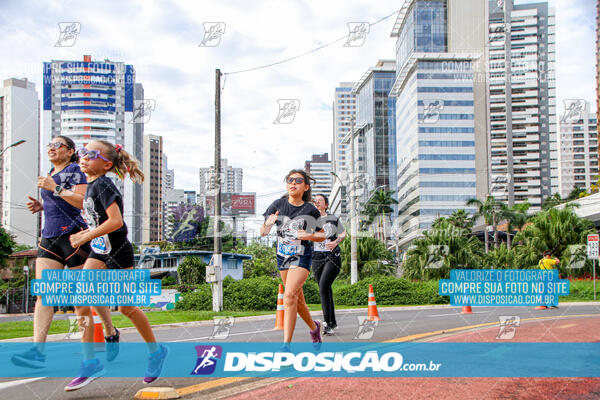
91	154
56	145
297	180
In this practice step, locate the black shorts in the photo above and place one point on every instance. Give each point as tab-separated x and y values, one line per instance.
59	248
303	261
120	256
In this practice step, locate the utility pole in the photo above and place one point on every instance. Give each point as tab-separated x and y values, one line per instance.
353	228
214	275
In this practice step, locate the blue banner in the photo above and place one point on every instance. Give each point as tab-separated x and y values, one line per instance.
507	287
340	359
96	287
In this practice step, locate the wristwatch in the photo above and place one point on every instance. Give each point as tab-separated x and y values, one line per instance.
57	190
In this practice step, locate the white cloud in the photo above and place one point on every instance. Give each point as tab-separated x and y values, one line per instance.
161	40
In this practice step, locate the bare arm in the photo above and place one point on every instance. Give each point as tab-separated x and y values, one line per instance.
75	196
114	222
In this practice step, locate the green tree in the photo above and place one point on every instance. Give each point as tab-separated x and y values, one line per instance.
516	217
369	250
501	258
442	248
554	230
491	211
461	219
191	271
552	201
7	245
263	262
378	206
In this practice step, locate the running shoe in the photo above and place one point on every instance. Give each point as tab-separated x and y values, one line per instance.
32	358
88	371
155	364
112	345
316	336
328	330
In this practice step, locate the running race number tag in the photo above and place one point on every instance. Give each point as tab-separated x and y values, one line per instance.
101	245
289	247
320	246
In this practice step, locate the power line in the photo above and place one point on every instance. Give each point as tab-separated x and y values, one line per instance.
305	53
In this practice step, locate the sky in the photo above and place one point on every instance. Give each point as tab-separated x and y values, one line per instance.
162	40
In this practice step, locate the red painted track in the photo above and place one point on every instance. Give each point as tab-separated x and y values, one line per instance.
583	329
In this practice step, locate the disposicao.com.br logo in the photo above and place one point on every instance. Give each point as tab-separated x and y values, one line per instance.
351	362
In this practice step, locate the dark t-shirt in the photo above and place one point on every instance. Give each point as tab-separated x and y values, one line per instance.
60	217
100	194
290	220
333	228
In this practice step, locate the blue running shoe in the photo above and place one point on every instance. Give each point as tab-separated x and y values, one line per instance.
155	364
89	370
32	358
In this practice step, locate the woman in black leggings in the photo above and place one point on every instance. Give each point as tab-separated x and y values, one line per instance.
326	262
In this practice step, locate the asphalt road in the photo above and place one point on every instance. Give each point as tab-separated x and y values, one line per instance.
397	324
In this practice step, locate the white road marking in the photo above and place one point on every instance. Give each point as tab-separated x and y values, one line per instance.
6	385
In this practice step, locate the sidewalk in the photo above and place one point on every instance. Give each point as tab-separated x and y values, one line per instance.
559	330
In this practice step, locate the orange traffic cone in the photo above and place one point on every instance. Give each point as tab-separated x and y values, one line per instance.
280	311
373	314
99	344
466	310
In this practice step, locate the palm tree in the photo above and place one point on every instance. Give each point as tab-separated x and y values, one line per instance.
553	201
369	250
442	248
490	211
516	218
378	206
461	219
554	230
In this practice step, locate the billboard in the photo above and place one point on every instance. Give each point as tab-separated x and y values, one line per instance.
233	204
186	222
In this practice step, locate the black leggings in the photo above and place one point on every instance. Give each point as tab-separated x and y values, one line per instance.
326	269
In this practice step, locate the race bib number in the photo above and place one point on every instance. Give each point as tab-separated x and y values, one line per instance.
320	246
101	245
290	247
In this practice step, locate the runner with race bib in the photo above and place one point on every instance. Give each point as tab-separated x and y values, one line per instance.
297	223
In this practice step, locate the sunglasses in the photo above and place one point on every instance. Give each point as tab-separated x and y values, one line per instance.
56	145
91	154
297	180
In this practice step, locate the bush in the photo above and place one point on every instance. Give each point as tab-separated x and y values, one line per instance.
388	291
191	271
199	299
167	281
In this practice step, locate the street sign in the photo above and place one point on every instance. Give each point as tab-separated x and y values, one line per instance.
592	246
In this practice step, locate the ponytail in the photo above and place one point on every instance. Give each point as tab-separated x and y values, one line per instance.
123	162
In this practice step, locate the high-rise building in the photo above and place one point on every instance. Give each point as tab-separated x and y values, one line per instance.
578	151
344	108
174	198
441	121
524	153
19	162
95	100
376	126
190	197
319	167
153	188
231	178
168	184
